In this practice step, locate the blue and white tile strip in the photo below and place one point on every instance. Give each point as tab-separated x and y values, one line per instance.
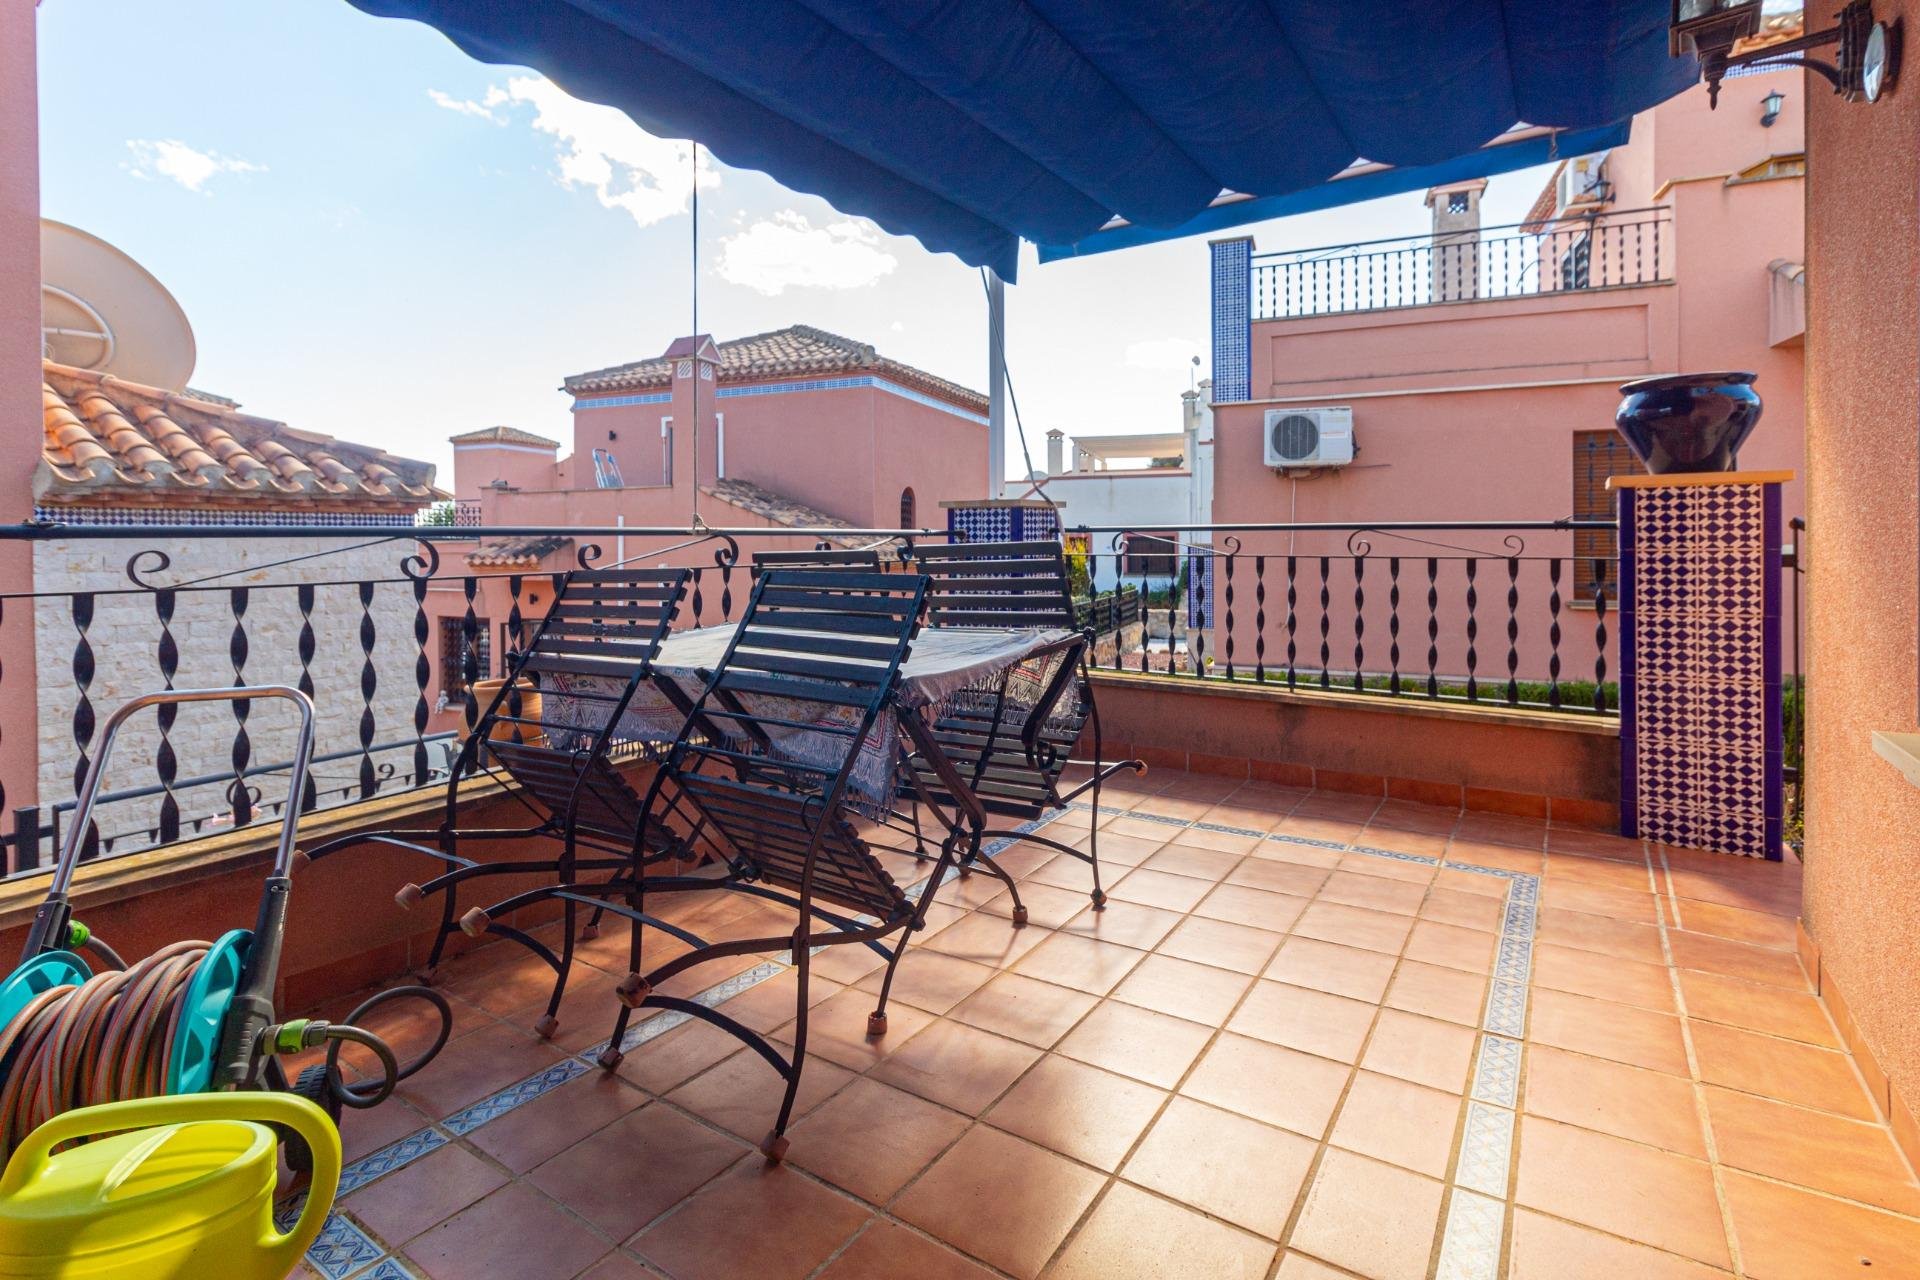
789	388
1475	1221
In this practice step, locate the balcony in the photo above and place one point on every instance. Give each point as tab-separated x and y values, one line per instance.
1570	254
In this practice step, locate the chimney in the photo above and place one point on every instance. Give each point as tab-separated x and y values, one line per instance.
1456	240
1056	451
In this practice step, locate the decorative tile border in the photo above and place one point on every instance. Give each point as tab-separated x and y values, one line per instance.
395	1155
342	1249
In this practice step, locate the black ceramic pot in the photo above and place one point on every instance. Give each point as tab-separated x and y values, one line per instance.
1689	422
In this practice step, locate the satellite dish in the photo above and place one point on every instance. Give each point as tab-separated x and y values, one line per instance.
101	310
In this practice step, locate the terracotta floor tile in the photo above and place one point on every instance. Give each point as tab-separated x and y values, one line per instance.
1404	1124
1339	804
1073	874
847	965
985	939
1452	946
1279	877
536	1131
1628	877
837	1029
1026	1009
635	1169
1665	1200
1760	928
1197	992
1548	1249
1755	890
1355	926
1737	960
1227	1165
1437	992
1342	831
1494	828
1005	1201
1616	904
423	1194
957	1065
1118	850
1480	911
1298	1266
496	1240
1254	908
1788	1234
1222	842
1311	1021
1422	1050
1143	828
1135	1236
1627	1102
1186	856
1153	1047
1221	943
620	1266
931	980
1379	893
1161	889
1374	1219
365	1132
1048	906
1598	844
475	1066
1463	879
872	1139
743	1094
1842	1157
1270	1083
1426	844
1588	973
667	1061
1327	966
887	1251
1466	851
772	1003
1414	815
1605	1029
1301	852
1084	964
1623	938
760	1220
1795	1015
1781	1069
1080	1111
1381	867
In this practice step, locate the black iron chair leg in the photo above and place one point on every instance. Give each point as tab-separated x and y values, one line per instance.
774	1145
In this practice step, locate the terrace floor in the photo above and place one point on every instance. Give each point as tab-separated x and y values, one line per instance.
1313	1035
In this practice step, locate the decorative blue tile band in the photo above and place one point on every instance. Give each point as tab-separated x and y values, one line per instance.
1232	277
790	388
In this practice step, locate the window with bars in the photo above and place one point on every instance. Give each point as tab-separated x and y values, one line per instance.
453	656
1596	456
1151	555
909	510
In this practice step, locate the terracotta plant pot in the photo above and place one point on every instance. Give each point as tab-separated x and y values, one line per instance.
483	691
1690	422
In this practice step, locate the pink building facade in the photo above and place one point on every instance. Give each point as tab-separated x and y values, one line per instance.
1493	399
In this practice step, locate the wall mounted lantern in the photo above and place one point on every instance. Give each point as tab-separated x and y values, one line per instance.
1864	67
1770	108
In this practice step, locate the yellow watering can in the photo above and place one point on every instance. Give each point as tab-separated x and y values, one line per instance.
183	1189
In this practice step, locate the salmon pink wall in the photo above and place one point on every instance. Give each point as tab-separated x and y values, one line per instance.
477	466
19	370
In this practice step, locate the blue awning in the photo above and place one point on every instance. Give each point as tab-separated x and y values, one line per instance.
972	124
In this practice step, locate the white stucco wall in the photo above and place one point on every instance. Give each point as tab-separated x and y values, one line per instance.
125	633
1145	501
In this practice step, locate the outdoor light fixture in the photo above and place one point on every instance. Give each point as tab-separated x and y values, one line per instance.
1865	66
1770	108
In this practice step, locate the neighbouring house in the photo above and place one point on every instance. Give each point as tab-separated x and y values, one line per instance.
1152	485
1472	373
797	428
117	617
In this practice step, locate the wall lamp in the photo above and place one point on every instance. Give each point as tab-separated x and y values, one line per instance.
1865	65
1770	108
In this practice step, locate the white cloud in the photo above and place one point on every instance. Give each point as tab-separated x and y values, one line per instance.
174	160
787	251
484	108
1162	353
600	148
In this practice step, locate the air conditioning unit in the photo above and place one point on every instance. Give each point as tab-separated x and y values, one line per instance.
1309	437
1582	182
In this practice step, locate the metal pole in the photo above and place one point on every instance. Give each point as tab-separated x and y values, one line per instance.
696	336
996	385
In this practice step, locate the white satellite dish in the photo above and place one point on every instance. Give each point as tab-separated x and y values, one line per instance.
101	310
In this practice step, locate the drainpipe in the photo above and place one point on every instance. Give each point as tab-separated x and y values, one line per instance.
996	385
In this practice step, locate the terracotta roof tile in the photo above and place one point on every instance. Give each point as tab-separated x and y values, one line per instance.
116	442
508	552
779	508
502	435
797	351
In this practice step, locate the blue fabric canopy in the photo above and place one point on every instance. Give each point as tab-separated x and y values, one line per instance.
970	124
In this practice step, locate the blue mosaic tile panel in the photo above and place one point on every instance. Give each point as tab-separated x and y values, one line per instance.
1475	1229
517	1095
1700	666
395	1155
1496	1073
1231	273
342	1249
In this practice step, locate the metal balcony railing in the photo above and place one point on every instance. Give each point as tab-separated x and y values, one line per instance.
1602	250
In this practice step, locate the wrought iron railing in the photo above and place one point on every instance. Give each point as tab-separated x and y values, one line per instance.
1628	247
1450	612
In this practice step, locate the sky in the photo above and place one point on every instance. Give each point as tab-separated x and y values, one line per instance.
378	238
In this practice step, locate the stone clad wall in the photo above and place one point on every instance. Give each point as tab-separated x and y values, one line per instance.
124	635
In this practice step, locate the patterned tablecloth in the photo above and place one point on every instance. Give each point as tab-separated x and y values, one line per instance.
945	669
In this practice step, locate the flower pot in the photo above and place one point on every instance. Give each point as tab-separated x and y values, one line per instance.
1689	422
483	692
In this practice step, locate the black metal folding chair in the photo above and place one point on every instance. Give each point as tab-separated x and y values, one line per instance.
1013	744
555	728
855	558
771	750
